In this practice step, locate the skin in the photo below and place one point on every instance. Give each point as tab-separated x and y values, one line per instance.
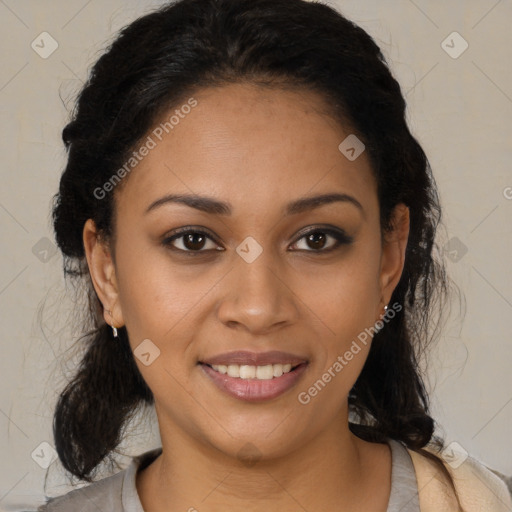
257	149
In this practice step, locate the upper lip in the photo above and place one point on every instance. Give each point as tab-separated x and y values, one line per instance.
245	357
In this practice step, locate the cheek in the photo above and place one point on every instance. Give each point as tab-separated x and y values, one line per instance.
154	292
165	303
342	301
343	342
344	295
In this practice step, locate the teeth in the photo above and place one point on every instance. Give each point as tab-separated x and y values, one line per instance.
244	371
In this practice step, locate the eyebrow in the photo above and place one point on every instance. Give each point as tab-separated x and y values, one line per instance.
216	207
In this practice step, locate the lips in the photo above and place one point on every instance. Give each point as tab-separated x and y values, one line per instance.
245	357
254	389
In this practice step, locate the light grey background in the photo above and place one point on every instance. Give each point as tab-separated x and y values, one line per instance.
459	108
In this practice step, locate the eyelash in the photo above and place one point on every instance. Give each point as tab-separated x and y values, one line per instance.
340	237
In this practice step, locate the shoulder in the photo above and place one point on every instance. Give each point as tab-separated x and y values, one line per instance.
105	494
477	487
110	493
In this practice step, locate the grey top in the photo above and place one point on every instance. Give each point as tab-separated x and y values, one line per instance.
118	493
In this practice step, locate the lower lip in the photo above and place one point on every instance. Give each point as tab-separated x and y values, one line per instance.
254	390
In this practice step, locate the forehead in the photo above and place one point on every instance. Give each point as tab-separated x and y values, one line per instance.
250	144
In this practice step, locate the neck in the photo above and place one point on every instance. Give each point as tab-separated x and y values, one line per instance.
337	466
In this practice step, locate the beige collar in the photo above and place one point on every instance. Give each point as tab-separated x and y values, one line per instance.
478	488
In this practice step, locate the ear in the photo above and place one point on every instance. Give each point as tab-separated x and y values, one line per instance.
393	252
103	276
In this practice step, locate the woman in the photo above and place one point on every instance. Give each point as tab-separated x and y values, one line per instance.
255	224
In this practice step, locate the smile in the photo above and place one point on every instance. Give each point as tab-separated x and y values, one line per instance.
254	383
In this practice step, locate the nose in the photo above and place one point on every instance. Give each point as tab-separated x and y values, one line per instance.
257	297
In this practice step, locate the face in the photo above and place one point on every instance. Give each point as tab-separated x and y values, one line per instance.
255	274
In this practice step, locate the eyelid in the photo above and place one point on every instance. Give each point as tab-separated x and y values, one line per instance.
190	229
329	230
180	232
340	236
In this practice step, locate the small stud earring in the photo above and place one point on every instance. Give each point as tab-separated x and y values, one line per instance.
114	329
376	327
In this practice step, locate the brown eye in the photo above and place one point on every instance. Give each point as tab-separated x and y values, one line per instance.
194	241
316	240
191	241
